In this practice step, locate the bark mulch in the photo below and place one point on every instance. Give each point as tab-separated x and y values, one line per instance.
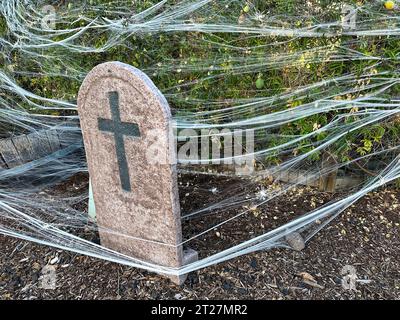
365	236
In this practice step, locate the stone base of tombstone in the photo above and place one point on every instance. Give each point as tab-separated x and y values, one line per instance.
174	258
127	131
189	256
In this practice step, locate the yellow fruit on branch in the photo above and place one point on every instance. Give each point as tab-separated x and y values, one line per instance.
389	5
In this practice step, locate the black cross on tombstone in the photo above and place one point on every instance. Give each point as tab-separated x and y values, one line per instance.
119	129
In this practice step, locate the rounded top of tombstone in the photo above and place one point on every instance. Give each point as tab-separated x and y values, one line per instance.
127	74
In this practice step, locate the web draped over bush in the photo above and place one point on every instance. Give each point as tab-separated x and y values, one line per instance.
319	90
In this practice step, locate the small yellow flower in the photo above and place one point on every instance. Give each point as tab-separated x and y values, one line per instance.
389	5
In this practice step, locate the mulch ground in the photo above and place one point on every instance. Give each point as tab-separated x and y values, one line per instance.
365	236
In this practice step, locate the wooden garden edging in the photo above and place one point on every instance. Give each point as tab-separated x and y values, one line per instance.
24	148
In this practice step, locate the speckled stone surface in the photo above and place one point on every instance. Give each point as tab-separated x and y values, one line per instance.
150	210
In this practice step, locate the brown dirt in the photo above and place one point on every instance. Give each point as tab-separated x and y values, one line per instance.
365	236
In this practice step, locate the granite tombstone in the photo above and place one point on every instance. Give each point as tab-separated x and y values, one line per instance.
126	126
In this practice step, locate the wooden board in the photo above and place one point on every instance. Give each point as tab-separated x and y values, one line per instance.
40	144
25	148
3	165
9	153
53	139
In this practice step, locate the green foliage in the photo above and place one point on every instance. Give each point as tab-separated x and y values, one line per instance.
397	184
3	26
370	136
260	83
222	81
285	6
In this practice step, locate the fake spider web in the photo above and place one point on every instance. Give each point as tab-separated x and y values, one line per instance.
353	112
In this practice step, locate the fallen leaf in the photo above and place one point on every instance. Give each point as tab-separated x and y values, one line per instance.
307	276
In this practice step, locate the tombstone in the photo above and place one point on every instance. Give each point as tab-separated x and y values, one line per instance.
126	127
